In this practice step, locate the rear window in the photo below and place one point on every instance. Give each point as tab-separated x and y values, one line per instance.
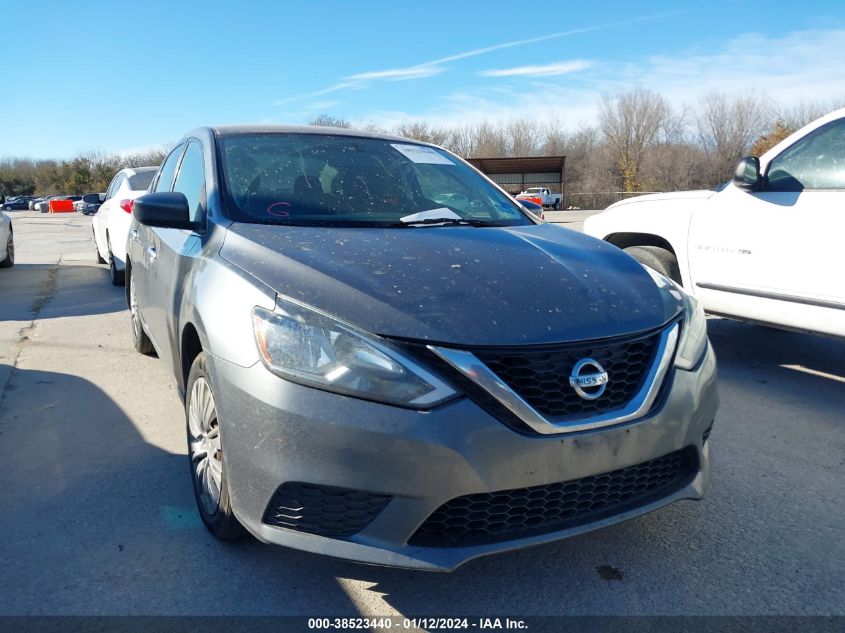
141	182
315	179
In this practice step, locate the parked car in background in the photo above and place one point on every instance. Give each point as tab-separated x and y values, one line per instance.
7	241
18	203
111	222
542	196
373	373
90	203
42	205
766	247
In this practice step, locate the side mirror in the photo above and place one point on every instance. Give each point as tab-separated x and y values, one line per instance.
747	174
165	209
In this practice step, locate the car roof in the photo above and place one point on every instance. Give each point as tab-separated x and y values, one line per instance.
132	171
234	130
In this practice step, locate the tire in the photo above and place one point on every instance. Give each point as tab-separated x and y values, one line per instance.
659	259
118	277
140	341
557	205
10	252
206	458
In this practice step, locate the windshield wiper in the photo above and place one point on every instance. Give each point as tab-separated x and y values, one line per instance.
443	222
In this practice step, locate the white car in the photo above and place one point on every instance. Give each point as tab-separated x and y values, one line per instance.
7	242
111	223
766	247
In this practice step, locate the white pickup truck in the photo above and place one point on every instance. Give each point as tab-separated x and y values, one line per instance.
542	196
768	247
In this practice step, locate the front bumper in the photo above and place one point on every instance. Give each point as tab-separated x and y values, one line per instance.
275	432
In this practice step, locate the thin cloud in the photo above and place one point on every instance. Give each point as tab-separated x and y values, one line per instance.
808	68
546	38
547	70
343	85
436	66
397	74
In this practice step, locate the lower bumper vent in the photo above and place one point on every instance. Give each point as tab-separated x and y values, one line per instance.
509	514
323	510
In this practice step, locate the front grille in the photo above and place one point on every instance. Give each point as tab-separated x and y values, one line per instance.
508	514
323	510
540	375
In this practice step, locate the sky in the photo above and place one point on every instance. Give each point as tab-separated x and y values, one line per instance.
90	76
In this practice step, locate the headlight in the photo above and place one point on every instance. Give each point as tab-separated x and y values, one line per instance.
307	347
693	341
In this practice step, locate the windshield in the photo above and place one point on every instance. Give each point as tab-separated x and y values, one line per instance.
314	179
533	190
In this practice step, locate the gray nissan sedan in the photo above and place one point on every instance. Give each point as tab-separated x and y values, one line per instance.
384	358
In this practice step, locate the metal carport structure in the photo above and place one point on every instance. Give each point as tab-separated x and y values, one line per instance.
516	174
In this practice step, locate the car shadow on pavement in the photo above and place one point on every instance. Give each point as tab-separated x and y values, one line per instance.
785	366
97	520
27	290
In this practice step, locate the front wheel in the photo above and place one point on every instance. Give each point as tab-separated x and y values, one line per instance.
140	341
209	472
659	259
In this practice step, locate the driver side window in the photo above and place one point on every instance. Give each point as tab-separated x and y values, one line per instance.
817	161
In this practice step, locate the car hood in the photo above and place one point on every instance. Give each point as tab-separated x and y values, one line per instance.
699	194
456	285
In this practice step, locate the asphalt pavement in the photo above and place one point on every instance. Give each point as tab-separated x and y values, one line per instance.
98	513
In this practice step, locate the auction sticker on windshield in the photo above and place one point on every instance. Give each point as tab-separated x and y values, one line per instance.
421	154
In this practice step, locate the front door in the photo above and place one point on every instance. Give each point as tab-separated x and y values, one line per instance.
782	243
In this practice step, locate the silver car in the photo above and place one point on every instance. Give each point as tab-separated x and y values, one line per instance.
383	357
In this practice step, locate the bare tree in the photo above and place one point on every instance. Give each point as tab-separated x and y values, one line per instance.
423	131
327	120
522	137
631	123
490	141
463	141
554	138
368	126
798	115
726	127
675	167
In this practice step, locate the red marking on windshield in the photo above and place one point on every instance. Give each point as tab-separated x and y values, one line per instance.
272	210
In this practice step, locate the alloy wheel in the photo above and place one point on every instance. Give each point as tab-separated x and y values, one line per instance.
137	328
204	445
